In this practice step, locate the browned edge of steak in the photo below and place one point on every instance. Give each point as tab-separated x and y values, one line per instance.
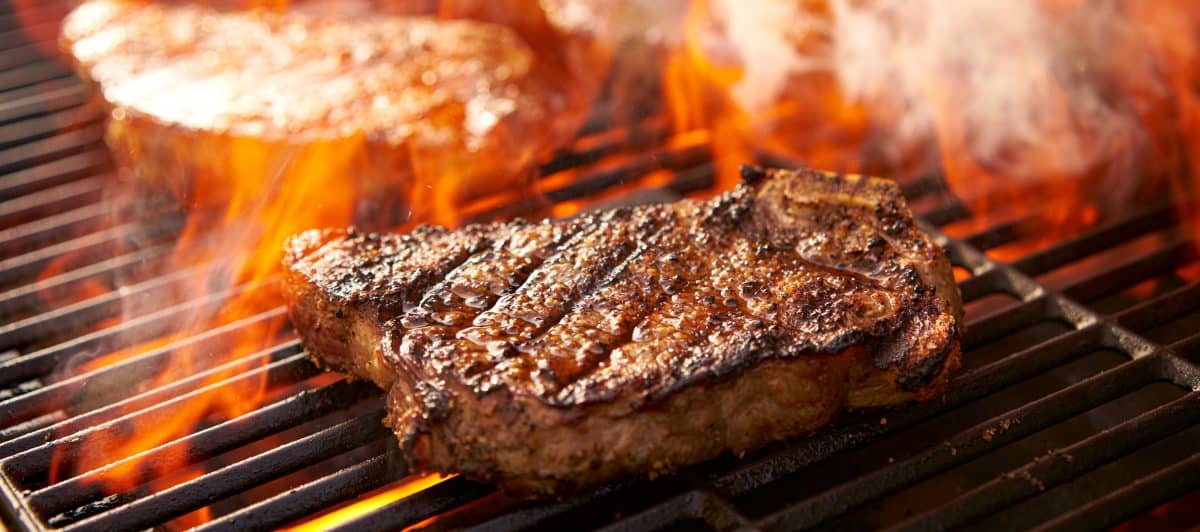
530	447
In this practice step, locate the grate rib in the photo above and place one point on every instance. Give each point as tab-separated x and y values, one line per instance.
195	447
53	173
1140	495
293	456
1062	465
968	444
312	496
130	332
284	363
419	506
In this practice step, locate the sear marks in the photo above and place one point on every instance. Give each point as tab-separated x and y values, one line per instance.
647	300
726	323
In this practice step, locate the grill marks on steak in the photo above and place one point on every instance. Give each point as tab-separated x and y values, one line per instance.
386	274
473	290
495	339
520	317
605	321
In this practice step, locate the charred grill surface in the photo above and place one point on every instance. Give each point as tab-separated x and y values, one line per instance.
548	356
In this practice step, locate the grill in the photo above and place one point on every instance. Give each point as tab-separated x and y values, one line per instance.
1079	404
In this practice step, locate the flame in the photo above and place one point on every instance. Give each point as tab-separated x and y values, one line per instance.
366	505
1052	113
1171	31
1058	113
244	196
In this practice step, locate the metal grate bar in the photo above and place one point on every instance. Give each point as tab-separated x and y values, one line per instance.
944	213
992	326
980	285
131	332
32	73
419	506
971	443
1140	495
293	456
57	172
593	148
89	311
52	174
17	56
89	137
29	236
195	447
1159	309
52	200
600	180
1162	259
22	32
30	296
312	496
1062	465
54	396
575	185
696	504
965	388
32	461
47	125
532	515
283	362
37	100
86	249
1191	344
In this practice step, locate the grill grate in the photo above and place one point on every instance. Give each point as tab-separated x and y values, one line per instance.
1078	407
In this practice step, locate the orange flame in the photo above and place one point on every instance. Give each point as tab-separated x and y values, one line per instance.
1059	113
403	488
746	87
244	196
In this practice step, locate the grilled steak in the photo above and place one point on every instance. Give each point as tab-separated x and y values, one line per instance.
550	356
423	113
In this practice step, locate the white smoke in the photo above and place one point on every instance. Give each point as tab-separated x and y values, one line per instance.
1026	83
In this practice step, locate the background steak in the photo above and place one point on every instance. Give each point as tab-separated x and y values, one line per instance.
408	112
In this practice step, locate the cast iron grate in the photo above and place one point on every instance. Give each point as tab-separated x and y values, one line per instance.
1078	407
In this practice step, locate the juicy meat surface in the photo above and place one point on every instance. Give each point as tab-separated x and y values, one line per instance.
550	356
198	93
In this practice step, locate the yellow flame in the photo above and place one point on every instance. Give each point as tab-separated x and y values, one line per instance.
406	487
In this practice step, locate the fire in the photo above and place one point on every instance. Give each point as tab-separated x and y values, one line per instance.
244	196
1059	113
1055	114
403	488
264	204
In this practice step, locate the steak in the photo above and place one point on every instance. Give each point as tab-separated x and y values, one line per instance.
547	357
423	113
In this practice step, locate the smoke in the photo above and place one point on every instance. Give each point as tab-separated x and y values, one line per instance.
1020	90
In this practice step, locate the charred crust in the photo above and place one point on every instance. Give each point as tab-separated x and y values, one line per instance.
434	402
790	265
922	372
502	344
752	174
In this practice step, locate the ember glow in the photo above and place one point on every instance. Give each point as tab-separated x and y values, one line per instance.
371	503
1051	114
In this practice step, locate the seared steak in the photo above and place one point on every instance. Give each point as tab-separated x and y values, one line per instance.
405	111
550	356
